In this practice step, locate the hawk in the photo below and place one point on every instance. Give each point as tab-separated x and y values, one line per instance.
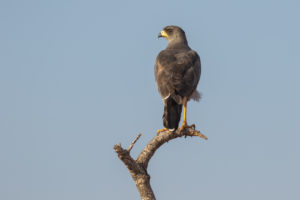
177	72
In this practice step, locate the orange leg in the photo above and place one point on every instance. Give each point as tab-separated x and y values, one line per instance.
184	123
161	130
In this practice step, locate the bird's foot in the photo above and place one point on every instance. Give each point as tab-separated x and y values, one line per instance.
184	126
161	130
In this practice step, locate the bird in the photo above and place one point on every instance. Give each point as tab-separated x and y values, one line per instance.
177	72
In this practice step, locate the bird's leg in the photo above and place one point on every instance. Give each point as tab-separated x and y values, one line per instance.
161	130
184	123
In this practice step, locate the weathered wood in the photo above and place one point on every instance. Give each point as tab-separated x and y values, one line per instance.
138	168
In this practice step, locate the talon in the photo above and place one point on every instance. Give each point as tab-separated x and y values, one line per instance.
193	126
161	130
184	126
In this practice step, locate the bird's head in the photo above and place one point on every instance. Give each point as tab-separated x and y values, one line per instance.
172	33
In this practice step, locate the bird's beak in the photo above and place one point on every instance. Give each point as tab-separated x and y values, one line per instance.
163	34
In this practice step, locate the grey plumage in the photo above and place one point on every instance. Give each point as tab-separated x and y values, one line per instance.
177	72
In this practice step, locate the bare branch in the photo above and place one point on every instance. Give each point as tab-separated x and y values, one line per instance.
134	141
138	167
129	162
162	138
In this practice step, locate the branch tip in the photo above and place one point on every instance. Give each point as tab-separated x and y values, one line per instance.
133	142
201	135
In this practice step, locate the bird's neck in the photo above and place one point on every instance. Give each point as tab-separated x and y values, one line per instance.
178	44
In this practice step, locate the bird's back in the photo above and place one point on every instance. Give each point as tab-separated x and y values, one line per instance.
177	71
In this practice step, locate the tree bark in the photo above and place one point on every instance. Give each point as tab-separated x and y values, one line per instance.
138	168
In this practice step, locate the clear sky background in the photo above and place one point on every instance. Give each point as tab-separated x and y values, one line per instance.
76	77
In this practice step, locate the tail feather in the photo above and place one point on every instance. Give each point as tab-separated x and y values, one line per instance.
172	113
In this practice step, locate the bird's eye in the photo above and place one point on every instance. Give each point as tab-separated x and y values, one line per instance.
169	30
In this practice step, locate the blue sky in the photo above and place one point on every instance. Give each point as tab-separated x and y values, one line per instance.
76	77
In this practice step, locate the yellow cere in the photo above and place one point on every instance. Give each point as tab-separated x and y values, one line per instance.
164	34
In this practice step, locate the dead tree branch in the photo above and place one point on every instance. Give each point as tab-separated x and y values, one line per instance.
138	167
